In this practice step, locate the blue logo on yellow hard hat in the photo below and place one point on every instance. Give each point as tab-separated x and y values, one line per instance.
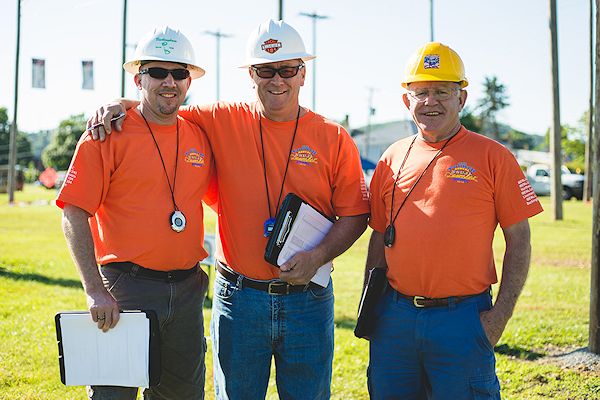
431	61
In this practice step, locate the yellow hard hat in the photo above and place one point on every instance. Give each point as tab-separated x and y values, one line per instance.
435	62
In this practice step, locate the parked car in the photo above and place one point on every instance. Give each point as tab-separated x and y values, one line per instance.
539	177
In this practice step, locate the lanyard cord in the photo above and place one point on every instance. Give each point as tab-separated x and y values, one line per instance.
265	163
417	181
171	188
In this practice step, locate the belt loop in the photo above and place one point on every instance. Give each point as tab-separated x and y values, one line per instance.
451	303
306	287
134	269
238	283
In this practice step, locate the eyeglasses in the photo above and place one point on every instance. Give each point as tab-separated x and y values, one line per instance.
441	94
178	74
284	72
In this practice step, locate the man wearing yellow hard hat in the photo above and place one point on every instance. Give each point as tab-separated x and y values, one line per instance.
436	199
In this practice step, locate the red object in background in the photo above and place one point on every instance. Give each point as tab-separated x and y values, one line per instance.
48	177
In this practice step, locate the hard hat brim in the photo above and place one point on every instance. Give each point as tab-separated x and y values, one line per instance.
133	66
257	61
430	78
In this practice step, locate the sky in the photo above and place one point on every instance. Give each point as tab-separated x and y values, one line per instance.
361	49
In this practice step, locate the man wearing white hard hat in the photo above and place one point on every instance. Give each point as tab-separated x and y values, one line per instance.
133	206
265	150
436	201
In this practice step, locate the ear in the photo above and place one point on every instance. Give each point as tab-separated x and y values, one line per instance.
137	78
302	75
405	100
463	98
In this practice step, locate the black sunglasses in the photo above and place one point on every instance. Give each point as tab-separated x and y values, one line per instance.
284	72
161	73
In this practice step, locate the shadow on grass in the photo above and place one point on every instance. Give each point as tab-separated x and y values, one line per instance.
71	283
345	323
517	352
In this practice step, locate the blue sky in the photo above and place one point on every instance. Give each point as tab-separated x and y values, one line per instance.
364	44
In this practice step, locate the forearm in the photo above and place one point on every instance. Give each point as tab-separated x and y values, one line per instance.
375	253
81	246
344	232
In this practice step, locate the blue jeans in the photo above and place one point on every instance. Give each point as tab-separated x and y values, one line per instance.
178	306
431	353
249	327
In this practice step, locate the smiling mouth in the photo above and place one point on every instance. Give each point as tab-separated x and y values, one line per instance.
432	114
277	93
167	95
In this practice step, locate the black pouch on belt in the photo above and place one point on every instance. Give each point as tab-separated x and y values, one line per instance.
372	294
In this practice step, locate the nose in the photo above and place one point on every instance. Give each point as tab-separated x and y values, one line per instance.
168	81
431	99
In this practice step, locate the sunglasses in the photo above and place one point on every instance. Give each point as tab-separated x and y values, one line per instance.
284	72
178	74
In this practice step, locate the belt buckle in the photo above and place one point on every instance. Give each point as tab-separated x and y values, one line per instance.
273	285
417	298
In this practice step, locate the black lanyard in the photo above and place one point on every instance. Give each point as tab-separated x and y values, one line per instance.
390	232
171	188
265	164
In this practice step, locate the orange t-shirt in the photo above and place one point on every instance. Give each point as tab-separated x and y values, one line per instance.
324	169
444	232
122	183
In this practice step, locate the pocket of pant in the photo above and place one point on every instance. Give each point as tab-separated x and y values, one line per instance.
223	288
479	329
319	292
112	277
485	387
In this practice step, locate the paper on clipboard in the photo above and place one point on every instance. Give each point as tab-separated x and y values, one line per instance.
306	232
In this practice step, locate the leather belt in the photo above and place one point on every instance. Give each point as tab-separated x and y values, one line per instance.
426	302
133	269
271	287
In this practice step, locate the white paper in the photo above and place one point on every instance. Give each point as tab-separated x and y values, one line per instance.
308	230
118	357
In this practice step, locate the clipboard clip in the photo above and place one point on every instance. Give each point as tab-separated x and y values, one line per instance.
285	229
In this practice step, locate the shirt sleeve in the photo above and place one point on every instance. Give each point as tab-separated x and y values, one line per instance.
378	219
350	193
203	116
85	182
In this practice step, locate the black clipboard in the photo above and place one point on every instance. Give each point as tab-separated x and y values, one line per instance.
286	217
372	293
154	360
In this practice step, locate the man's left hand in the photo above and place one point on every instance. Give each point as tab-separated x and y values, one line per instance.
493	325
299	269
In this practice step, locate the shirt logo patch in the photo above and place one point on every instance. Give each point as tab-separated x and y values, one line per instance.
461	173
194	157
70	177
271	46
527	191
304	155
431	61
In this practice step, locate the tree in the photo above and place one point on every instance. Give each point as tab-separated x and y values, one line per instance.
494	100
24	155
470	120
59	152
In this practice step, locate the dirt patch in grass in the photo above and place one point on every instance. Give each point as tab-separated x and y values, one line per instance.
581	360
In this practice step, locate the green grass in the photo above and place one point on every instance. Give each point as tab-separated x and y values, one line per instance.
38	279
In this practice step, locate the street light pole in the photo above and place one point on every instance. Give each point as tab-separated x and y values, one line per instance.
218	35
431	19
124	48
281	10
314	17
12	149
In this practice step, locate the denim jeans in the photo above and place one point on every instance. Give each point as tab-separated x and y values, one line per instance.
431	353
178	306
249	327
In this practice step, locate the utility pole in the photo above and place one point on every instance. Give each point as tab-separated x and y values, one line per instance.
281	10
555	134
124	48
12	149
370	113
431	20
314	17
589	175
218	35
594	340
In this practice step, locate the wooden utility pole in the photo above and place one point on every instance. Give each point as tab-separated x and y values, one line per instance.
12	148
123	48
594	342
555	134
589	175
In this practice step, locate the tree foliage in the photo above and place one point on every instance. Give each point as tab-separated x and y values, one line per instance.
59	152
494	100
24	155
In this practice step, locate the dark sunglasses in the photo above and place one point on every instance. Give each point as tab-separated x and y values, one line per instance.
161	73
284	72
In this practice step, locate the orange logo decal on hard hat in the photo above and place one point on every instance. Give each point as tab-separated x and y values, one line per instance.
194	157
431	61
271	46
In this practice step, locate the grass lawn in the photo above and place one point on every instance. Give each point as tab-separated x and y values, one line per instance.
38	279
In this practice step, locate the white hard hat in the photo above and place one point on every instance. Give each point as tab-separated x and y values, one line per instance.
164	44
274	41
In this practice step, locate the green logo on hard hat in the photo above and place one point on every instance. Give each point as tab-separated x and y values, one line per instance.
165	44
